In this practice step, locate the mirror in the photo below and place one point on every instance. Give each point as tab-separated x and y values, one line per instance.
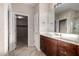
67	18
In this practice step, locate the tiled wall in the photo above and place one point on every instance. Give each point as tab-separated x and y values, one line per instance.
46	17
43	17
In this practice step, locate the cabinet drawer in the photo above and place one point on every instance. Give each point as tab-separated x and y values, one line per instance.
66	45
62	51
66	48
65	52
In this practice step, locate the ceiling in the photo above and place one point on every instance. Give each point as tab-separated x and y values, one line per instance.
67	6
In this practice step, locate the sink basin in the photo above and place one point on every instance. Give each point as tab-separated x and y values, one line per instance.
53	35
70	40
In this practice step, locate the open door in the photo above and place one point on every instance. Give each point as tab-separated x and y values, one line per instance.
11	29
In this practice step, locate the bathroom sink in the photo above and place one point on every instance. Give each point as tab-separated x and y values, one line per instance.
71	40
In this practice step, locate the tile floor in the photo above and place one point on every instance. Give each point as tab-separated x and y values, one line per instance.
26	51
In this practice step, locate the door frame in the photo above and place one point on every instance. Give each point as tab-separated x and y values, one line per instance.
14	18
63	20
16	27
18	13
35	41
10	22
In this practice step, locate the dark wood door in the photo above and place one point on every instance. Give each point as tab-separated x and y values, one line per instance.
22	30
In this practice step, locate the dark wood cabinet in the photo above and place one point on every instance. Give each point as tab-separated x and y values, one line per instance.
42	45
53	47
78	50
66	49
49	46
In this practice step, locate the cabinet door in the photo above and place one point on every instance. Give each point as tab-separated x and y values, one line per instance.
66	49
78	50
50	46
42	44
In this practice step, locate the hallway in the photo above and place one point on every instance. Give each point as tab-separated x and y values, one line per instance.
26	51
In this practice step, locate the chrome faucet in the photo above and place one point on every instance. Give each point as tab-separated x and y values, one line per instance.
58	34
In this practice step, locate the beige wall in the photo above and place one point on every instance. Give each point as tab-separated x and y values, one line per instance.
43	21
3	28
36	27
28	11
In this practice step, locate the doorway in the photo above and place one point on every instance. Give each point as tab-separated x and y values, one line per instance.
22	31
63	26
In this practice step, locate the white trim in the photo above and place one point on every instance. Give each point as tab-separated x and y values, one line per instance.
28	22
20	13
6	27
35	41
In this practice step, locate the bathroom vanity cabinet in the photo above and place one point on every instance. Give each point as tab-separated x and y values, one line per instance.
47	47
78	50
54	47
66	49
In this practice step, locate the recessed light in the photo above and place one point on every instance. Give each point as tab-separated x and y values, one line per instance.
20	17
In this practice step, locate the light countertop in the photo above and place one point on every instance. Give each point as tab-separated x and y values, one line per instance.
70	38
